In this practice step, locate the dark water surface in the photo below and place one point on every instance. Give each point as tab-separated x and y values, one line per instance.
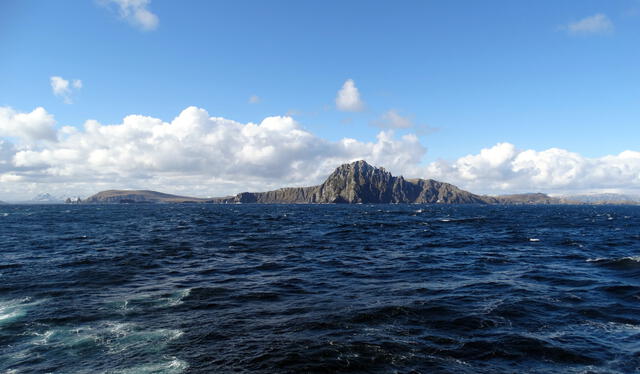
308	288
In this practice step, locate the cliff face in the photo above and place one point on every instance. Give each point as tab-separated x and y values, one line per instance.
359	182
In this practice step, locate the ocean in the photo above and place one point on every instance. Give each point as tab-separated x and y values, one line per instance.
196	288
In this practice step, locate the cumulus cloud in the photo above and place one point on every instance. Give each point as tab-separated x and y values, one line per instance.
136	12
200	155
504	168
28	127
63	88
193	154
596	24
348	99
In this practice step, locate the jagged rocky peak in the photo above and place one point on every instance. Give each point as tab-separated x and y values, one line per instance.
359	172
357	182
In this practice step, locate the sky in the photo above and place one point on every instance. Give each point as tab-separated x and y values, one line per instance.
211	98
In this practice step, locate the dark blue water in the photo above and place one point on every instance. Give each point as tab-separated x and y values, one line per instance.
295	289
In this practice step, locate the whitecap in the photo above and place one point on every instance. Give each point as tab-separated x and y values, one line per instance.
115	337
43	338
534	240
177	297
154	300
170	365
11	310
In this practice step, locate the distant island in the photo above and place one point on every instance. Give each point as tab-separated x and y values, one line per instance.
353	183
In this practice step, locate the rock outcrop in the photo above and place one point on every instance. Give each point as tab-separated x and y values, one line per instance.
359	182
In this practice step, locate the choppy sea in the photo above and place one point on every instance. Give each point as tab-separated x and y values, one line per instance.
194	288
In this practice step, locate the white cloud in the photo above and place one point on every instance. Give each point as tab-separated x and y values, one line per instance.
504	168
596	24
29	127
196	154
136	12
348	99
59	86
63	88
193	154
391	119
254	99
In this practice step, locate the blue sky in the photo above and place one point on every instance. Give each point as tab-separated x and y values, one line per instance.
466	75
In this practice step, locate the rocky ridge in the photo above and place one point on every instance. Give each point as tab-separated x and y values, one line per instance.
359	182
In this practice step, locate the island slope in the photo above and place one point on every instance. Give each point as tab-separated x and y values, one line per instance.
139	196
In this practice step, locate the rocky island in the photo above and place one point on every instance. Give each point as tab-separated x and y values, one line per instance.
353	183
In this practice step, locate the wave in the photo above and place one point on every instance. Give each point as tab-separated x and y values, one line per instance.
463	220
144	303
629	262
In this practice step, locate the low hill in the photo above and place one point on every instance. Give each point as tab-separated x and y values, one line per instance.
139	196
528	198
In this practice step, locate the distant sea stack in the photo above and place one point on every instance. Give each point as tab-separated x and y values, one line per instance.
354	183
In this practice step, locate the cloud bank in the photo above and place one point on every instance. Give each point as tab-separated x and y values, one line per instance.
193	154
29	127
505	168
200	155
